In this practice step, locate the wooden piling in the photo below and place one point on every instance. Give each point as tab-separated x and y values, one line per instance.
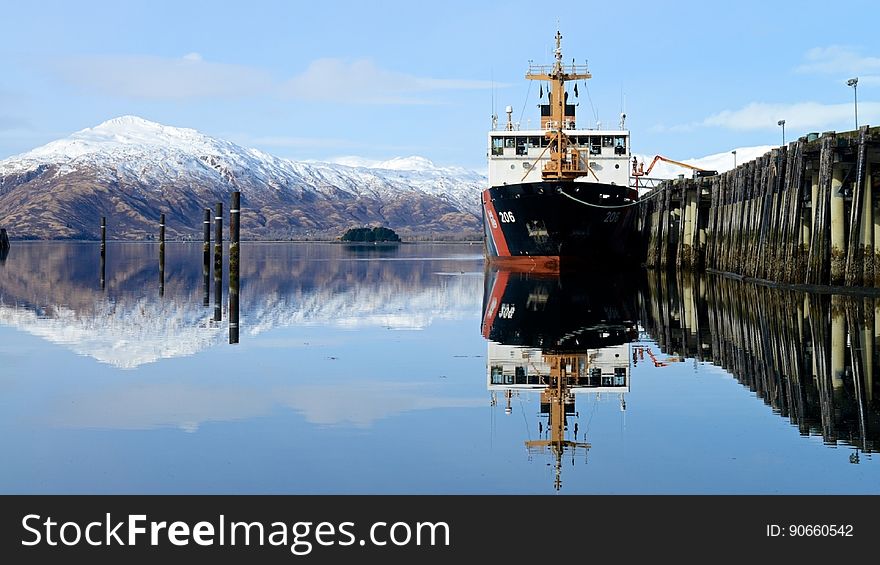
838	233
855	252
820	250
234	233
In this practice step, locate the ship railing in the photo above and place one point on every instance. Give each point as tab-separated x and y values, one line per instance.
644	184
548	69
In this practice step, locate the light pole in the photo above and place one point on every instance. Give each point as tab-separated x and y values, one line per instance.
782	123
734	157
854	82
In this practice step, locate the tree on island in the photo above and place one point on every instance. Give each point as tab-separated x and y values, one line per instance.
370	235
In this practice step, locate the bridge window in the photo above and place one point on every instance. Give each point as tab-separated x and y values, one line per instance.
497	146
620	145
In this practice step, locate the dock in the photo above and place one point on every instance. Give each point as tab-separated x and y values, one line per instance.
803	214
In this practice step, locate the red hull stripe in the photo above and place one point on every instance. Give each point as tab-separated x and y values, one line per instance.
498	288
494	226
538	264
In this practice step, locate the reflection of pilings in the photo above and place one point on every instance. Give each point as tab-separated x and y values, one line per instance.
162	255
103	249
206	252
810	357
234	215
838	341
860	362
218	260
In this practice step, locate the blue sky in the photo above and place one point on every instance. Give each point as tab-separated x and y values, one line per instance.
322	80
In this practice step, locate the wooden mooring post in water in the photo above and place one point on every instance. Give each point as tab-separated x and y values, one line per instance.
805	213
234	233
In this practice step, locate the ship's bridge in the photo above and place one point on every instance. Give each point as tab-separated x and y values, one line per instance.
517	156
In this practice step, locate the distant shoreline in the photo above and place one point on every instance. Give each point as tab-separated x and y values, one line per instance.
196	241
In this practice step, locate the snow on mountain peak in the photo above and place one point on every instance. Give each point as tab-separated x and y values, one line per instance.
120	132
411	163
135	126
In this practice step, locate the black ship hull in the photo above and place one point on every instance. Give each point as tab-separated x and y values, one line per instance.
549	226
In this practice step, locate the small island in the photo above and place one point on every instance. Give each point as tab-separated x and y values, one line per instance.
370	235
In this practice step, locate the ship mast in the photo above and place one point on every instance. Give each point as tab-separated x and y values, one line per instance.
566	162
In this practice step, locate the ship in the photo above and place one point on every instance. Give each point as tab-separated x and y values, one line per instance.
559	196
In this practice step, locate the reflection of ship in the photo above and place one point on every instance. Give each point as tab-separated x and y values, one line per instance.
572	311
558	194
561	337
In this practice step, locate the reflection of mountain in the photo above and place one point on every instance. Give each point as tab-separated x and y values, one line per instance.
559	337
53	290
810	357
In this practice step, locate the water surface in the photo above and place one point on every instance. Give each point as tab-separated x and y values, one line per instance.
413	369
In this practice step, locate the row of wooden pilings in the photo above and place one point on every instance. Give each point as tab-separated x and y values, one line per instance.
234	259
806	213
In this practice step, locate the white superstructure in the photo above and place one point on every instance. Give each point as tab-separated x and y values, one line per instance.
517	156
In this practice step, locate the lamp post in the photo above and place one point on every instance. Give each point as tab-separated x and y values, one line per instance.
782	123
734	157
854	82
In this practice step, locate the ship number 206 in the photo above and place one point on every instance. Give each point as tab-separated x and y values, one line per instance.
507	217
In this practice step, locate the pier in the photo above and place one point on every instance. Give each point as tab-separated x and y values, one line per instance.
803	214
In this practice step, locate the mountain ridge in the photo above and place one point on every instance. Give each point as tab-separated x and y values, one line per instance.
131	170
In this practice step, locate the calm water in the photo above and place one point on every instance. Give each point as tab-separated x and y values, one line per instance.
411	370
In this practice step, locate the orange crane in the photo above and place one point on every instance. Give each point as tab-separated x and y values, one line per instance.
640	171
640	350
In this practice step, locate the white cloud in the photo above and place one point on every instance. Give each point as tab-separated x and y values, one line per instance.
361	81
191	76
294	141
142	76
838	59
801	116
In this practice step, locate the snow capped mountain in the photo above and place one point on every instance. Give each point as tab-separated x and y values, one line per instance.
147	168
